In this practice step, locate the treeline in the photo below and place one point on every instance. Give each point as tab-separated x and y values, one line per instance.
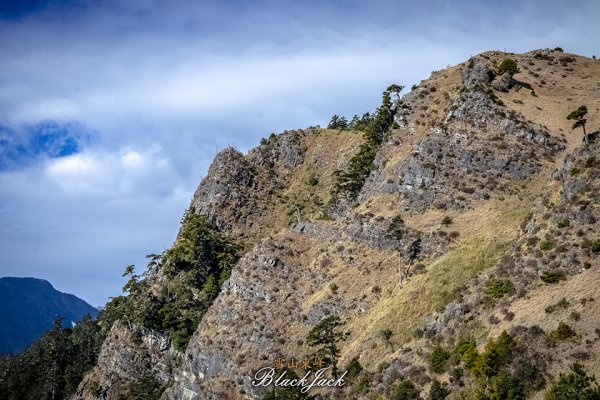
52	367
374	127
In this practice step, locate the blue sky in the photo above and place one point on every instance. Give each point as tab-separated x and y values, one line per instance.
111	111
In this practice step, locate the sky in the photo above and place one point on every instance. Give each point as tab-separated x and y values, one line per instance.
112	110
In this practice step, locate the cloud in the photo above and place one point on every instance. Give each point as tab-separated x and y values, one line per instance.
143	94
132	172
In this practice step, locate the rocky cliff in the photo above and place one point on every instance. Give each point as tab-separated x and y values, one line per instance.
479	216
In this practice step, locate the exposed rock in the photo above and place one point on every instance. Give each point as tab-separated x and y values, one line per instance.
477	70
129	352
503	82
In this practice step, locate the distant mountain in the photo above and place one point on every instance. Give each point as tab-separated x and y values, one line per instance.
28	308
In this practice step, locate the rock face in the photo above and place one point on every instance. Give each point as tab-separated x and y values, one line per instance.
129	351
503	83
471	188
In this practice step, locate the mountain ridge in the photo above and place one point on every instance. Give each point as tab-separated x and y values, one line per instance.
29	307
442	230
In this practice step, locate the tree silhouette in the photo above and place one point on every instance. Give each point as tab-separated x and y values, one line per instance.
578	116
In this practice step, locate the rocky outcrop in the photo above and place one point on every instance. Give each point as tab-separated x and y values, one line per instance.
129	352
478	70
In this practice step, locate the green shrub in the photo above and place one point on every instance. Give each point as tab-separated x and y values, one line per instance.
563	332
499	287
546	245
574	386
438	359
590	162
551	276
354	368
574	171
456	375
333	287
505	386
508	66
406	390
363	385
447	220
595	246
540	56
563	223
466	350
438	391
563	303
497	353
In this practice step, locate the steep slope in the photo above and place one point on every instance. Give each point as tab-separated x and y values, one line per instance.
28	308
464	150
478	195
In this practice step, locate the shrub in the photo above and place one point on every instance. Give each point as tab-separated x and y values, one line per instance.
354	368
551	276
563	303
563	223
576	385
497	353
508	66
466	350
499	287
590	162
563	332
363	385
447	220
438	358
456	375
574	171
505	386
406	390
540	56
333	287
559	49
595	246
546	245
386	335
438	391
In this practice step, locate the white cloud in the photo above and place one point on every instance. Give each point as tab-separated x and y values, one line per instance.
128	172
